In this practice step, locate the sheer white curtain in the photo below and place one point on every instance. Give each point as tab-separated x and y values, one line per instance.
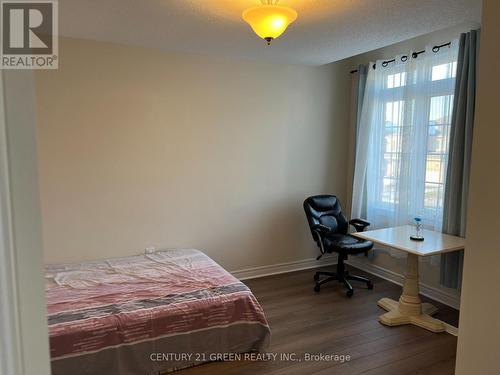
402	139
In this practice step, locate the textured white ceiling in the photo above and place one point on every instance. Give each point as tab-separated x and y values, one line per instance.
326	30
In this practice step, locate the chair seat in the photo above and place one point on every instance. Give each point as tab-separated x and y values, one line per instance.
344	243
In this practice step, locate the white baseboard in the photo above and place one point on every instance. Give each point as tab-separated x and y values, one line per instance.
362	263
275	269
434	293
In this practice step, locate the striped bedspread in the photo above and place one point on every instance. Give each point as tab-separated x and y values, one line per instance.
148	314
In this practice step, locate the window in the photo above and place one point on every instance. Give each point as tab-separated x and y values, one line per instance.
406	132
400	137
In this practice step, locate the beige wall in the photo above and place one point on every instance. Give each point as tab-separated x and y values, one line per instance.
429	271
478	348
141	148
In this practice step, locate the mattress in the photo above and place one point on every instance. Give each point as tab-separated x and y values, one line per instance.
148	314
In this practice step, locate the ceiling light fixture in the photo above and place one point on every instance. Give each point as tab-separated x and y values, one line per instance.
269	20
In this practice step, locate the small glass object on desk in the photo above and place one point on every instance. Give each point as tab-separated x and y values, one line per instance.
417	236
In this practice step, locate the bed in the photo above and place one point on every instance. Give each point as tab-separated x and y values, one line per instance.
148	314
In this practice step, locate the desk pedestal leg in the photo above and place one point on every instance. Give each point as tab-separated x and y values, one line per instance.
410	309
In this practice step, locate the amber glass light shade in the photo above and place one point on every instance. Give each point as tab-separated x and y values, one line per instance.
269	21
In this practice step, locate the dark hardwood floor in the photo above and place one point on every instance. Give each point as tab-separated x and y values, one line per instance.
303	321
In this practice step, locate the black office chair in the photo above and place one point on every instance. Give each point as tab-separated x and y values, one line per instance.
329	229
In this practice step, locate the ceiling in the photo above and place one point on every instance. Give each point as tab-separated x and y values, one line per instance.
326	30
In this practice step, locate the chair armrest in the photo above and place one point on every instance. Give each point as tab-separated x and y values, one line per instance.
320	231
359	224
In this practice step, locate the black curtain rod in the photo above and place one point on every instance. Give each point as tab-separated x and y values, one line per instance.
405	58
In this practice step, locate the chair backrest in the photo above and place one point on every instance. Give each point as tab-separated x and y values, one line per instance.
326	210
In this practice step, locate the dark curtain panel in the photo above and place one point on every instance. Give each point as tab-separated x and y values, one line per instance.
460	148
362	75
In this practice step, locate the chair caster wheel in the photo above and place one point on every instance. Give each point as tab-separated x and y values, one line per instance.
349	293
316	288
316	277
369	285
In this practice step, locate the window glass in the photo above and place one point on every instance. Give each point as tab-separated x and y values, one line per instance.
396	80
444	71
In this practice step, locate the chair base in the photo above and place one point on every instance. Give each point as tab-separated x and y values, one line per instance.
342	276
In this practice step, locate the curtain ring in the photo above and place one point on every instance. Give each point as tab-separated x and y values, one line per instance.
404	58
414	55
385	63
435	49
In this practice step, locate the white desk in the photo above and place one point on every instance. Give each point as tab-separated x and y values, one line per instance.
410	309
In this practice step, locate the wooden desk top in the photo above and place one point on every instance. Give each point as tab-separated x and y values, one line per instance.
399	238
